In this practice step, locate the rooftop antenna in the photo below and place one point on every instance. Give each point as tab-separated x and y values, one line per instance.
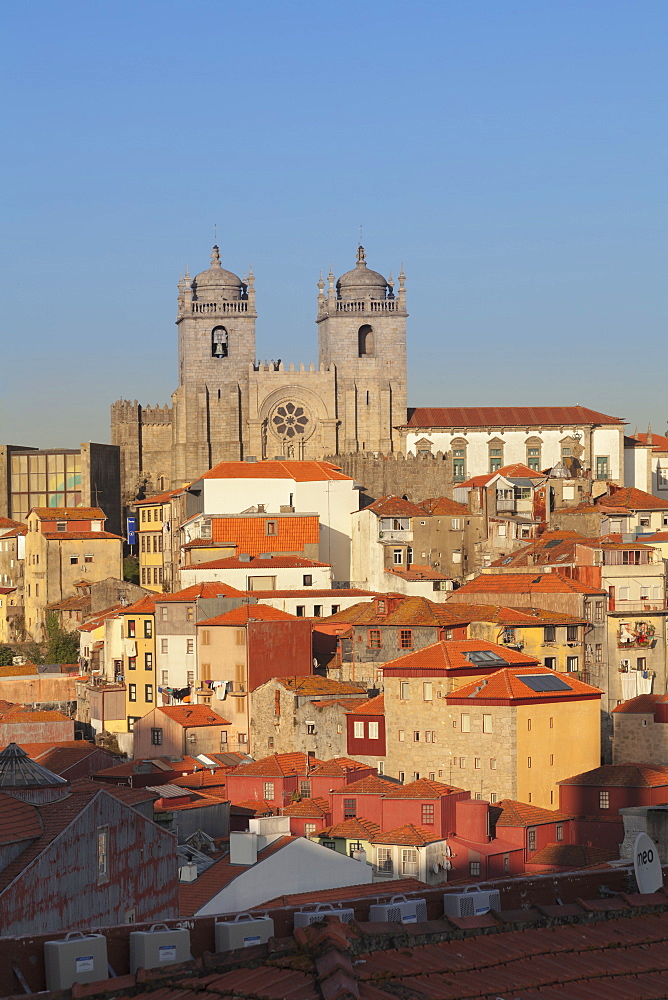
215	234
360	239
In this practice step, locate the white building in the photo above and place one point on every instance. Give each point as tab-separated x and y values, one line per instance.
254	573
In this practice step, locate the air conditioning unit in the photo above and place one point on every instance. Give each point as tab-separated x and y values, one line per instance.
305	917
158	947
76	958
244	931
399	910
471	902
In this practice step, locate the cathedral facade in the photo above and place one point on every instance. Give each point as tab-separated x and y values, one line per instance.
230	407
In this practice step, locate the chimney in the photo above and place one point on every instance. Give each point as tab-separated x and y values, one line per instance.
243	848
188	873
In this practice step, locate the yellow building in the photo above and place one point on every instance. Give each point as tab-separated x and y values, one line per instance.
154	541
62	547
139	673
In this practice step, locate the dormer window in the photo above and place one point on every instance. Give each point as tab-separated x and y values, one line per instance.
61	525
219	344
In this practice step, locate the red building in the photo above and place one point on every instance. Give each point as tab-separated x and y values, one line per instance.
475	853
424	803
530	827
366	730
361	798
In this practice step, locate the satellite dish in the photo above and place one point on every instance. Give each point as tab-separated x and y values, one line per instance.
647	864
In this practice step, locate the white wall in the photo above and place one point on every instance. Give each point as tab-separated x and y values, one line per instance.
300	866
176	661
291	578
307	599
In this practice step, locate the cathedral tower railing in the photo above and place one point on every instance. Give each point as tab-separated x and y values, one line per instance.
219	307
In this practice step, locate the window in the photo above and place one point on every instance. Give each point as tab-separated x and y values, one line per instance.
301	610
604	800
307	579
365	341
429	736
309	829
456	555
74	560
404	690
462	762
148	628
156	737
474	868
132	692
132	662
416	736
456	523
335	609
572	663
102	852
459	462
405	638
401	736
529	725
476	762
305	789
492	763
277	703
270	743
601	466
164	646
317	610
528	761
329	844
549	633
131	628
148	661
572	633
551	662
88	558
384	860
349	808
374	640
465	722
551	760
218	342
206	637
268	790
495	459
560	832
398	557
533	459
402	776
148	693
148	514
531	840
373	730
190	645
551	722
427	691
131	721
190	614
270	527
164	612
487	723
427	813
492	797
409	861
61	526
358	730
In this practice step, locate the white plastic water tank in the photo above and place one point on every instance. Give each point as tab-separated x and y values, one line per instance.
158	947
76	958
244	931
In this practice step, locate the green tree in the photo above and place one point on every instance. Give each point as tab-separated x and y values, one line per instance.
62	646
6	656
131	569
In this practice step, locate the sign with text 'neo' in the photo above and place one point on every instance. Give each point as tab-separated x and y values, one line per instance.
647	864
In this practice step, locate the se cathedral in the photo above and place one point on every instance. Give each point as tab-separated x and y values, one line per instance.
228	406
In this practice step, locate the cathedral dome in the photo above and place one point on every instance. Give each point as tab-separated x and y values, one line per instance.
362	282
216	280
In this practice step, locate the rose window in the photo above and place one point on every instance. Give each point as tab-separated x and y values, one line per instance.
290	420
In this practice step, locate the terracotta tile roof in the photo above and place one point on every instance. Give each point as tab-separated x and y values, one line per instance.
373	889
314	686
249	613
454	654
199	590
632	499
415	573
128	768
277	562
69	513
571	856
193	715
521	617
658	443
144	606
357	828
337	766
194	895
313	808
299	472
71	604
644	704
131	796
264	595
15	532
6	523
407	611
423	788
371	785
259	807
508	812
525	583
277	765
393	506
341	702
79	536
19	820
516	471
249	534
621	776
21	713
203	778
374	706
98	619
408	836
444	507
60	757
506	686
506	416
158	498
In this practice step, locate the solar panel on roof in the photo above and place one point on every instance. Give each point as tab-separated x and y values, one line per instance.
485	658
544	682
552	543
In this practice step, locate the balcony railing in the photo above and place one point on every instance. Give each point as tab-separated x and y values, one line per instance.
404	535
638	607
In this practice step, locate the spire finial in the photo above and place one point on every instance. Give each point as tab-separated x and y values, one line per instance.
361	255
215	256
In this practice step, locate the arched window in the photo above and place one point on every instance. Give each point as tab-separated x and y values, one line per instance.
365	341
219	342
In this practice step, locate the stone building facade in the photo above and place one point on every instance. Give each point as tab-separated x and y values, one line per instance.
228	406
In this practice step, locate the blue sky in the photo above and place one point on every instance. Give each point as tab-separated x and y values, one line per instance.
511	154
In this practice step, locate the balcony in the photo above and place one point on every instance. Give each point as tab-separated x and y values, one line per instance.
638	607
394	535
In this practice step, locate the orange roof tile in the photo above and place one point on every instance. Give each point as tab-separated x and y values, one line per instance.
393	506
524	583
249	534
506	416
571	856
337	766
202	779
644	704
193	715
15	532
144	606
659	442
620	776
631	498
277	765
508	812
158	498
19	820
407	836
277	562
445	507
307	808
357	828
8	523
199	590
520	617
416	573
92	623
423	788
402	611
249	613
69	513
371	785
260	807
454	654
312	685
374	706
80	536
373	889
505	686
299	472
263	595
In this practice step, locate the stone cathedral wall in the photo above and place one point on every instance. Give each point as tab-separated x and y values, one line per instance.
416	477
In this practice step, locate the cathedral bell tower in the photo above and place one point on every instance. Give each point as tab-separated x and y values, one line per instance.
216	323
362	332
